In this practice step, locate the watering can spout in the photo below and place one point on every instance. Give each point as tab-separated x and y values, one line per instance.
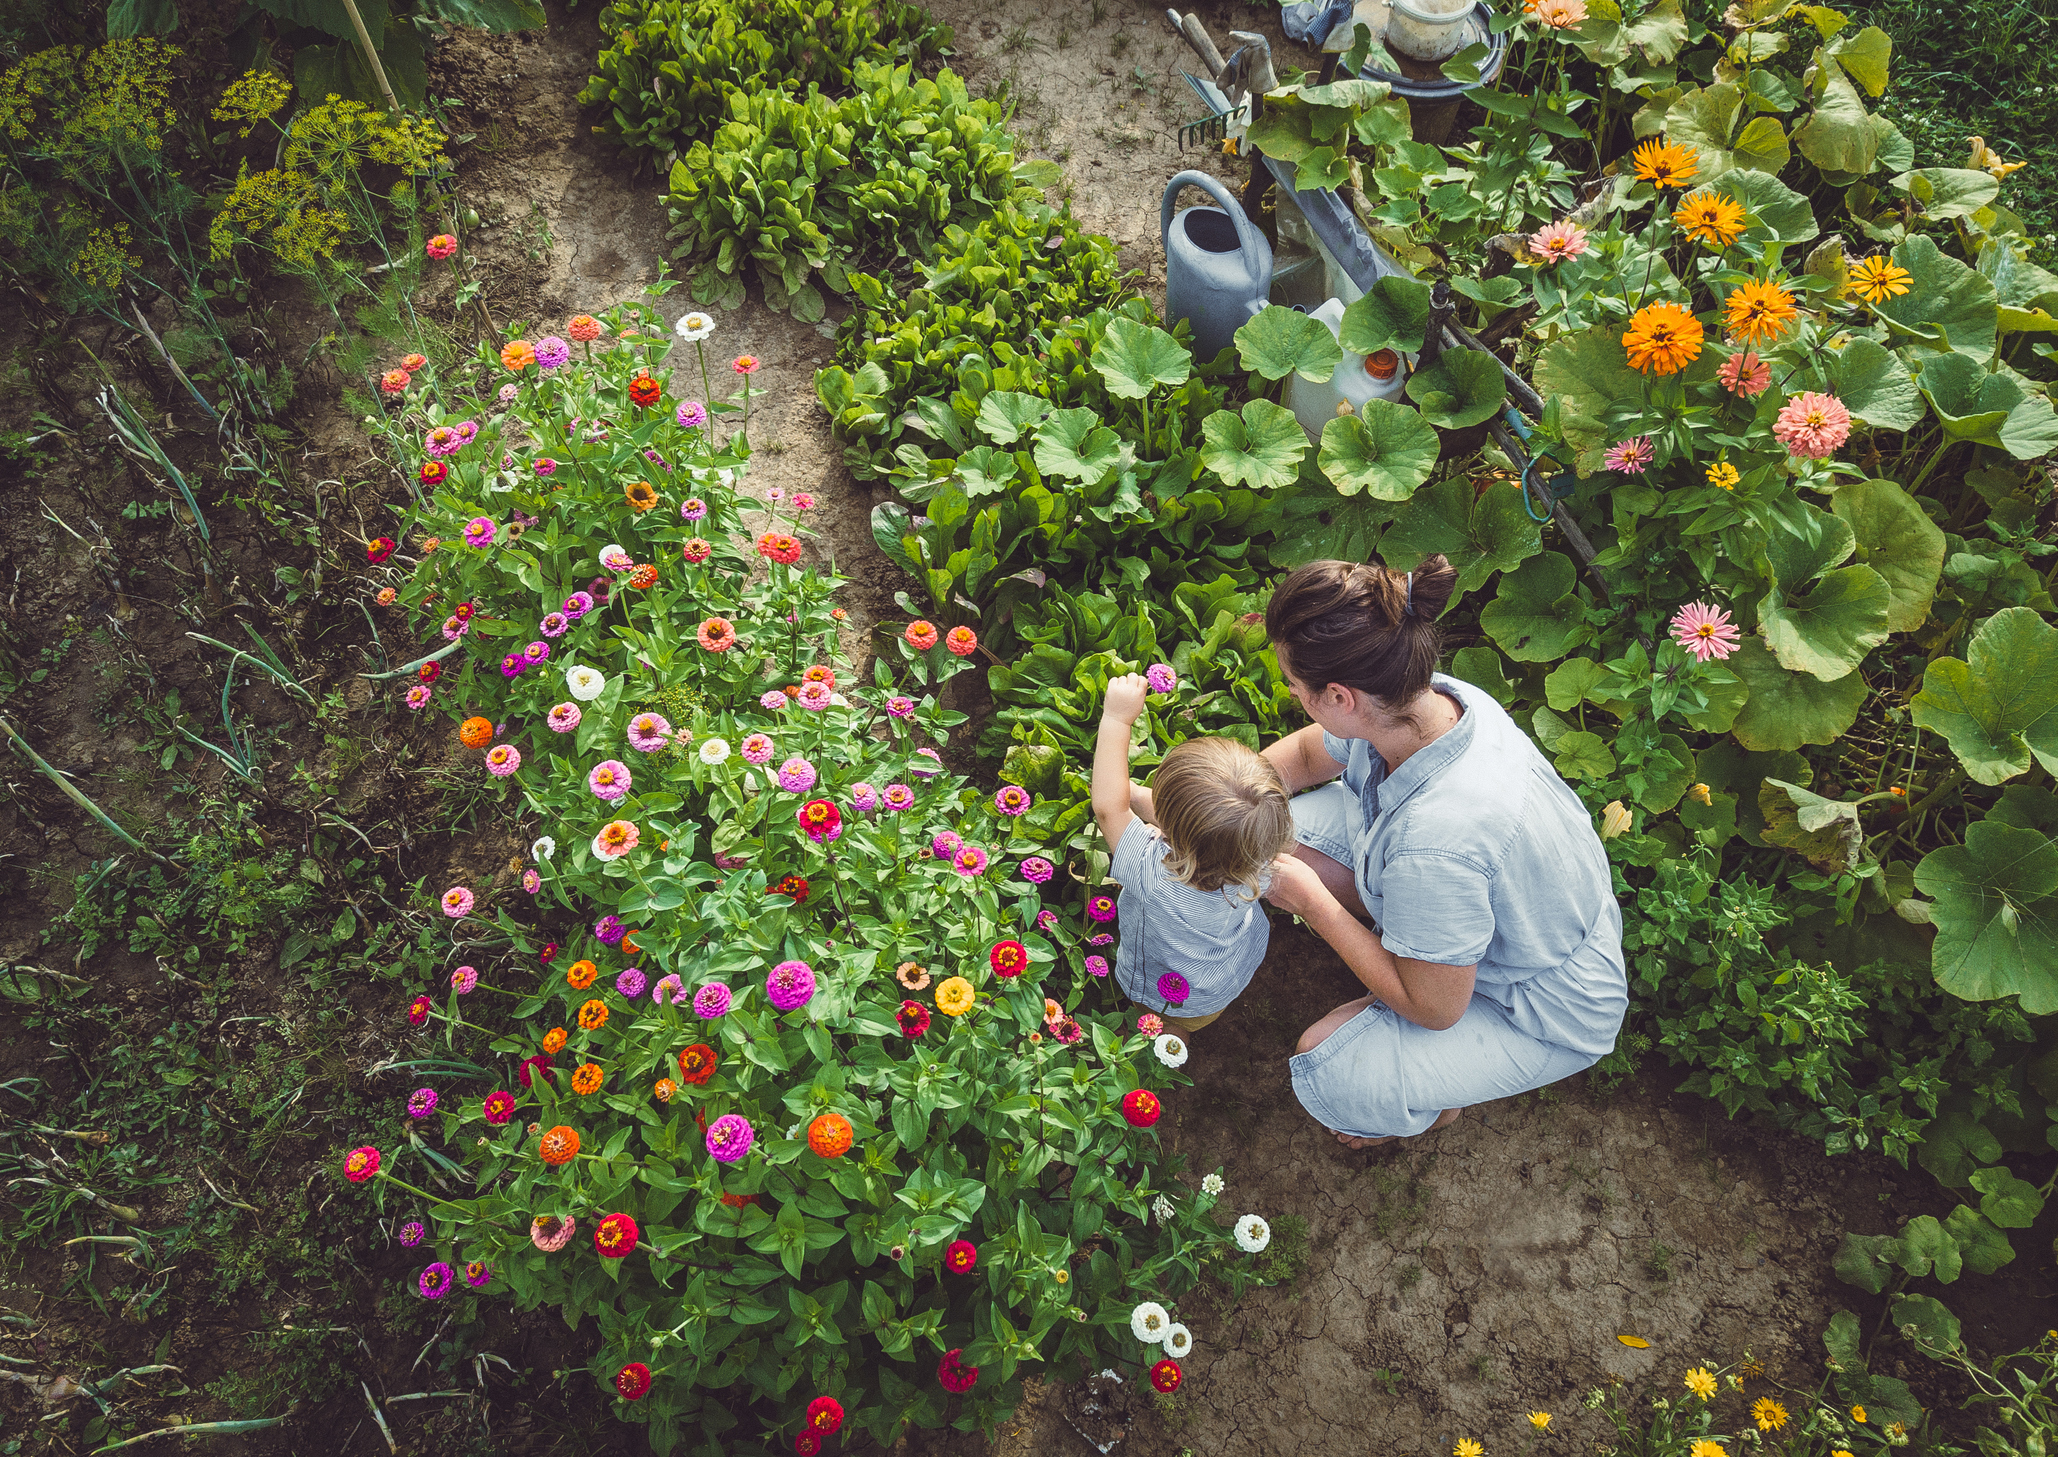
1218	266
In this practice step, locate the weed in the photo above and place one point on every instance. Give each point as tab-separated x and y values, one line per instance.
1658	1263
1118	45
1483	1368
1409	1277
1064	35
1388	1378
1287	1255
1017	39
1100	11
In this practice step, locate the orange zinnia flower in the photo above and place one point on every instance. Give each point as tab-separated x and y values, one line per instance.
517	355
1662	339
1760	309
1709	217
716	635
642	495
1666	164
593	1016
587	1079
554	1040
581	974
559	1146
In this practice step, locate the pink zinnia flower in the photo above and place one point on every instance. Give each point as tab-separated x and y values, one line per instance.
550	1234
1813	425
502	760
712	1000
796	775
897	796
803	501
1705	631
772	701
649	732
946	845
610	780
1011	800
970	861
1150	1024
790	985
418	696
531	881
1745	374
464	979
1558	241
758	749
564	718
863	798
900	707
457	902
1036	870
1632	457
816	696
926	770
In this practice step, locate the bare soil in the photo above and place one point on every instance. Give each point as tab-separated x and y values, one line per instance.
1450	1284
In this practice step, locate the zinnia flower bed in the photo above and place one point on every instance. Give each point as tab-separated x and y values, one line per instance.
802	1187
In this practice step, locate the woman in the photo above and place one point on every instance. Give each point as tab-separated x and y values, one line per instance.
1494	954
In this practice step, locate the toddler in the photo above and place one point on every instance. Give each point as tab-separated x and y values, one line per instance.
1192	854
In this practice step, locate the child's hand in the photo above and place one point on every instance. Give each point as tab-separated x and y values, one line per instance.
1296	887
1124	703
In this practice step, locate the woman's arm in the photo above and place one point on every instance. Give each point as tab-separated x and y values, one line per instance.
1301	760
1427	993
1111	788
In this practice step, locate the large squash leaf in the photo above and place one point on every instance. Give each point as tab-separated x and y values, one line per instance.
1480	534
1385	450
1998	706
1995	914
1786	709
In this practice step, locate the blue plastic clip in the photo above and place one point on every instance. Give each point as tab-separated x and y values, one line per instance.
1545	490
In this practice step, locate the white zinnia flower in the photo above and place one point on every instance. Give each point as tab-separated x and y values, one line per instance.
1161	1209
1213	1184
1170	1048
1149	1322
586	684
1179	1342
714	751
1252	1234
543	849
694	326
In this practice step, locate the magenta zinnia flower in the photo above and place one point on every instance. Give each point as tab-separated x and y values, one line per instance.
1173	988
1100	908
1097	966
796	775
1705	631
609	930
554	624
969	861
900	707
1037	870
790	985
648	732
551	351
479	531
729	1137
1632	457
712	1000
434	1282
477	1275
412	1233
897	797
610	780
1813	425
578	605
1161	677
946	845
421	1102
630	983
1011	800
1559	241
693	508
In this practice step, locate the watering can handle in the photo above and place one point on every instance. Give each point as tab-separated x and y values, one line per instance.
1247	235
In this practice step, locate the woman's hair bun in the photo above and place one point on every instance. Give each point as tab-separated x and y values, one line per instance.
1434	581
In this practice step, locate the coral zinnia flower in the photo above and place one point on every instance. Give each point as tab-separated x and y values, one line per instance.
360	1164
548	1232
394	381
1876	280
1745	374
921	635
1009	958
717	635
1813	425
642	495
559	1146
584	328
616	839
962	641
1631	457
1709	217
414	363
645	391
954	997
1760	309
1723	474
697	550
1666	164
1706	632
517	356
441	246
745	364
1558	242
960	1256
697	1064
1141	1108
616	1236
499	1107
593	1015
777	546
1662	338
632	1382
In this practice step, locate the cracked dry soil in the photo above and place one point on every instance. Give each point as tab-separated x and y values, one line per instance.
1451	1284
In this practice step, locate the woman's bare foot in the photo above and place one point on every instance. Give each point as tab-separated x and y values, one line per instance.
1443	1120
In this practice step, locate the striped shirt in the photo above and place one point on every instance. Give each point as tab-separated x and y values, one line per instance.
1213	938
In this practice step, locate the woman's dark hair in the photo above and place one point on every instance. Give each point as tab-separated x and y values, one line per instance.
1362	625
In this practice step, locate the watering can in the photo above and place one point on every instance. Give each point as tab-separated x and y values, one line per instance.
1218	266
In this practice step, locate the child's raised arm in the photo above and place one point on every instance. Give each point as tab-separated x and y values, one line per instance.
1111	755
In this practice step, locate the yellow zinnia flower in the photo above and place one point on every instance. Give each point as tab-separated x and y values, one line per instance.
1876	280
1760	309
1858	1414
1662	339
1709	217
1768	1414
1722	474
1840	1452
1541	1420
1467	1448
1701	1381
1666	164
954	997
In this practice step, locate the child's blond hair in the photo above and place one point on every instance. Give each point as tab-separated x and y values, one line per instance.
1223	812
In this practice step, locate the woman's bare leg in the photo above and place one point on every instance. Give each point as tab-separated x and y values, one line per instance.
1316	1035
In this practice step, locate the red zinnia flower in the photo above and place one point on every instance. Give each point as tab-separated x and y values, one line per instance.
378	549
697	1064
1165	1376
429	672
959	1256
737	1201
434	473
360	1164
962	641
824	1414
632	1382
807	1444
821	820
1009	958
499	1107
913	1018
921	635
643	576
953	1374
645	391
793	885
616	1236
549	952
538	1066
418	1011
1141	1107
